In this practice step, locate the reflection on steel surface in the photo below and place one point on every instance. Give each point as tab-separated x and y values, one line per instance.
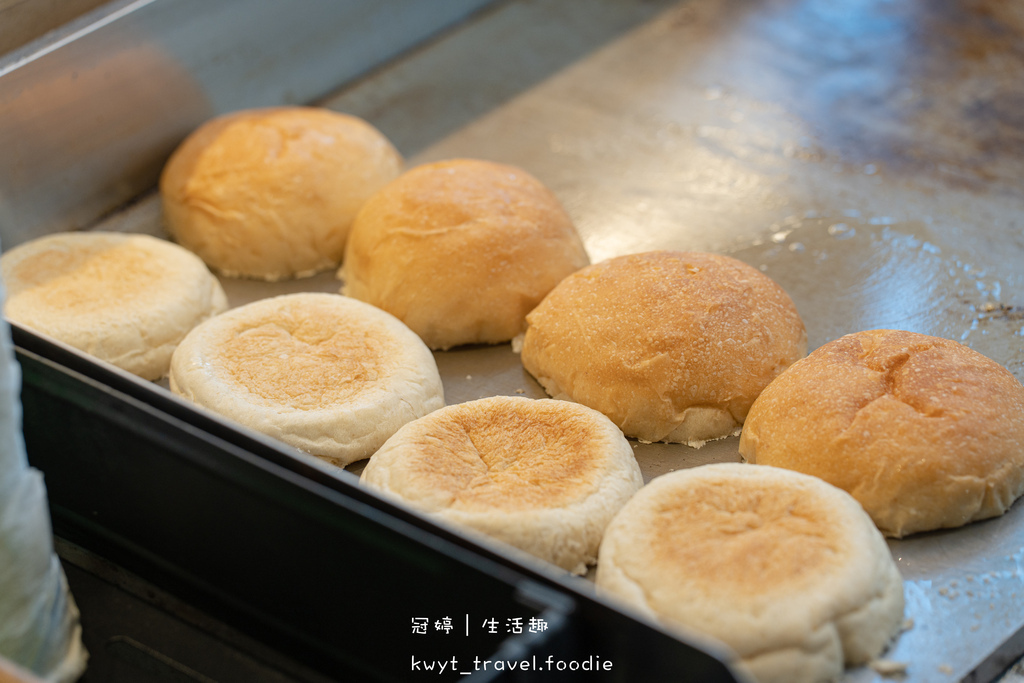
867	154
87	121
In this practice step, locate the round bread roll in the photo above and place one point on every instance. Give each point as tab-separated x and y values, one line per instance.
783	568
544	476
329	375
672	346
461	250
271	193
125	299
926	433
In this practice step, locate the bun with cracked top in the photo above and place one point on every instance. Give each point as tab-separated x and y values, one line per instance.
925	432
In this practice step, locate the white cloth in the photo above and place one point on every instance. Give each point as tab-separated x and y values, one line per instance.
39	622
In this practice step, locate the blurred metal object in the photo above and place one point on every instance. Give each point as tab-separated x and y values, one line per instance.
22	21
88	119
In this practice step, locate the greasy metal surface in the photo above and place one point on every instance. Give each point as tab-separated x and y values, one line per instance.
88	117
866	154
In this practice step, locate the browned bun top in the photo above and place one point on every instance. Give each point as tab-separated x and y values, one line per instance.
544	476
327	374
735	531
670	345
782	567
505	454
923	431
126	299
305	352
271	193
461	250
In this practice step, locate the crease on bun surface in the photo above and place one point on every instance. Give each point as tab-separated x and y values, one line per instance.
925	432
785	569
461	250
329	375
672	346
541	475
126	299
271	193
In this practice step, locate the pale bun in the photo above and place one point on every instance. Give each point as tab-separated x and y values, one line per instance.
672	346
786	570
544	476
125	299
925	432
271	193
331	376
461	250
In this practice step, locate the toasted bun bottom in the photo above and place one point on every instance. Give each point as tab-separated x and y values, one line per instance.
125	299
328	375
926	433
541	475
786	570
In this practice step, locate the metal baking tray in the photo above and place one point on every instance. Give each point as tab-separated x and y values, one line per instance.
878	193
210	533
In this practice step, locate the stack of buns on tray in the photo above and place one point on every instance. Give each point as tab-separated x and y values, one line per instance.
878	433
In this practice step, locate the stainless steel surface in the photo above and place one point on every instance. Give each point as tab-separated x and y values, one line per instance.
867	155
88	118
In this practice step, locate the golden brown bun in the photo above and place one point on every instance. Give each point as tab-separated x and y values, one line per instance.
924	432
126	299
544	476
271	193
329	375
672	346
783	568
461	250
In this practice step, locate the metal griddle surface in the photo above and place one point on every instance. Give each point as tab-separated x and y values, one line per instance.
866	155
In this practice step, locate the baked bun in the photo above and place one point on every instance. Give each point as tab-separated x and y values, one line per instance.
544	476
271	193
924	432
125	299
672	346
329	375
461	250
783	568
